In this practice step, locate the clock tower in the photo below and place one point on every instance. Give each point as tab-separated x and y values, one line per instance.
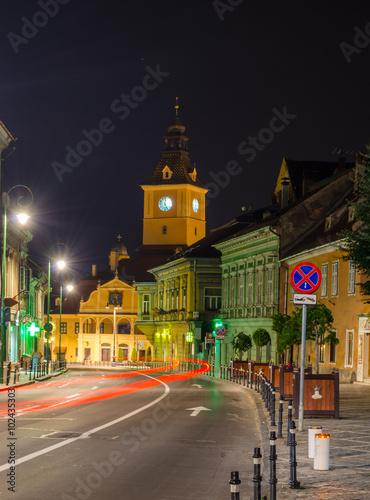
174	197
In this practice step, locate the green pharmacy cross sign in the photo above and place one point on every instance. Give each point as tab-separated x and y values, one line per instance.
33	329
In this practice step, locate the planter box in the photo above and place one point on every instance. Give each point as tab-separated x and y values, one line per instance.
274	376
256	368
321	395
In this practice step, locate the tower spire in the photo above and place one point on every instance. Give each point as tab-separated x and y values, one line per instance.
177	106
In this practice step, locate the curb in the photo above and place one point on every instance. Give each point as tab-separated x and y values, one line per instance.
29	382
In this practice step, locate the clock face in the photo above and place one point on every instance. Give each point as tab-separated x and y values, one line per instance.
195	205
165	203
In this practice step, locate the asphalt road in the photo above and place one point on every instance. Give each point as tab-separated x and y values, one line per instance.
91	435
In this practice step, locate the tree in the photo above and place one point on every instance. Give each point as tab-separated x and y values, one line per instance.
120	355
357	243
320	322
261	337
278	323
241	343
134	355
148	356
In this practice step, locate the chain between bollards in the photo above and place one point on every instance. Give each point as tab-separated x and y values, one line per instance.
234	485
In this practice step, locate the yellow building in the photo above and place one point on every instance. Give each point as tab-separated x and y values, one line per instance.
339	291
174	197
100	327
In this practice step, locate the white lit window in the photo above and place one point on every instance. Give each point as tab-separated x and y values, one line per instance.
241	291
270	287
233	291
225	297
334	278
351	277
324	280
146	303
212	299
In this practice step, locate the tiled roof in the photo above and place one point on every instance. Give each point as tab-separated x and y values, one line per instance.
180	165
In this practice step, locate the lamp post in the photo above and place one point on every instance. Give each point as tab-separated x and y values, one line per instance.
69	288
22	217
48	327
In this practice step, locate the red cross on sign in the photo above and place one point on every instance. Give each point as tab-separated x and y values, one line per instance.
305	278
220	330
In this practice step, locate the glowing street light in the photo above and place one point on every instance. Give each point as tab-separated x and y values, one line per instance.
48	327
22	218
69	288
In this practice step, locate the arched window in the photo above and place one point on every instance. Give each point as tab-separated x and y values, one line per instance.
164	229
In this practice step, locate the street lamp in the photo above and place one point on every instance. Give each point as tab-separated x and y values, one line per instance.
48	327
61	265
22	219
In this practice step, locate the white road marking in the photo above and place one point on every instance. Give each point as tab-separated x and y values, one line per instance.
197	410
85	435
60	386
95	387
73	395
197	385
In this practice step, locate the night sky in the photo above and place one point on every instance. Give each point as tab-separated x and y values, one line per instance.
235	65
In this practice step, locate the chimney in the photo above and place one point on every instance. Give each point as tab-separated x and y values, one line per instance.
93	272
284	197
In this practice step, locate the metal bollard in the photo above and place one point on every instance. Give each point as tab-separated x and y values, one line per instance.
272	410
257	478
258	382
272	458
243	377
240	376
234	485
293	483
280	422
290	410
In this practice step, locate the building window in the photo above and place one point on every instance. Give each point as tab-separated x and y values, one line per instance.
270	287
161	300
63	327
334	278
146	303
351	277
184	298
250	289
241	291
233	291
101	327
164	229
76	352
259	287
333	350
324	280
167	300
225	301
124	328
212	299
349	347
172	300
77	328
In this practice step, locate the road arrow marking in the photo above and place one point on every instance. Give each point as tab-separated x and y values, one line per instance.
197	410
197	385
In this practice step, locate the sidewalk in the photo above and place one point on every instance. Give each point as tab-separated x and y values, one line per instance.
24	379
349	474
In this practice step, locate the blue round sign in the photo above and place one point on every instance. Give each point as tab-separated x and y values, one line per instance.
305	278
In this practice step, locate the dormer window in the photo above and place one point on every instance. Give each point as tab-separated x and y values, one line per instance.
193	174
167	173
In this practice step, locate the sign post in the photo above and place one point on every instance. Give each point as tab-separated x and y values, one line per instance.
305	278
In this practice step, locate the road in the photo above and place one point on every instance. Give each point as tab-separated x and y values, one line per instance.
100	434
